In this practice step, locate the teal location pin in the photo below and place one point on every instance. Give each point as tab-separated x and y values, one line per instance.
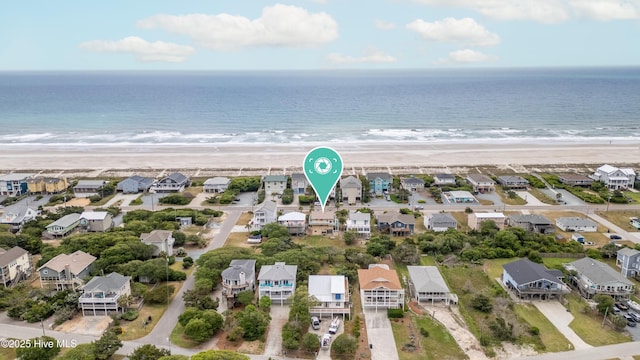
323	168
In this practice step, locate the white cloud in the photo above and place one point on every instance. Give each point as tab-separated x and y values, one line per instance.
605	10
371	57
466	56
144	50
278	25
385	25
464	31
547	11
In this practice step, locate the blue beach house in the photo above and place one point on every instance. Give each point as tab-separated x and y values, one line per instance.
379	182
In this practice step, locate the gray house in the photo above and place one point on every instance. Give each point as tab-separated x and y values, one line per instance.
16	215
576	224
440	222
299	183
277	281
412	183
88	188
96	221
396	224
593	277
135	184
426	284
530	280
444	179
239	276
217	184
351	188
628	260
64	225
100	295
275	184
15	265
175	182
532	223
162	239
66	272
513	182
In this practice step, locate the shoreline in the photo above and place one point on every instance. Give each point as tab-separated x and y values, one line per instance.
415	157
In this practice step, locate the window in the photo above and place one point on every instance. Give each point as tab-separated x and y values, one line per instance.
45	272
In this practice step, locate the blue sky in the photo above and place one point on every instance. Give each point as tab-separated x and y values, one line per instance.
317	34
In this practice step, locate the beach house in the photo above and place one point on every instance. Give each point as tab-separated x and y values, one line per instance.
16	215
135	184
444	179
96	221
266	213
277	281
88	188
351	188
380	183
575	179
532	223
14	184
299	183
322	223
330	296
412	184
475	219
46	185
481	183
64	225
427	285
460	197
66	271
15	265
396	224
380	288
162	240
513	182
100	295
576	224
530	280
239	276
217	184
275	184
360	223
593	277
175	182
295	222
440	222
628	260
615	178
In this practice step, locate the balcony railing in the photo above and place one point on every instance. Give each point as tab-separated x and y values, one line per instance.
276	286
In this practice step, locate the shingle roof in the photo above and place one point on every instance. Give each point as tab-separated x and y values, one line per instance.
442	218
91	183
427	279
575	221
383	176
393	217
65	221
109	283
628	252
218	180
12	254
320	215
156	236
413	181
378	277
445	176
270	178
598	272
531	218
359	216
478	178
77	262
178	177
298	177
278	271
268	205
524	271
237	266
350	182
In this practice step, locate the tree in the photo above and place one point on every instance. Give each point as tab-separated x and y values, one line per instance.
482	303
349	237
618	322
311	342
219	355
41	352
160	295
198	330
124	301
80	352
254	323
107	345
407	254
265	303
174	357
148	352
245	297
199	299
344	344
604	303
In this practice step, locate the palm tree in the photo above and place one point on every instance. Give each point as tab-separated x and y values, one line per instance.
124	301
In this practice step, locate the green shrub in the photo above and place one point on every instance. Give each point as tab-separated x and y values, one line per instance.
130	315
395	313
534	331
424	332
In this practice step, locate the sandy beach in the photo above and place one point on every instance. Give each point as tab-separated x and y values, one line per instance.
404	157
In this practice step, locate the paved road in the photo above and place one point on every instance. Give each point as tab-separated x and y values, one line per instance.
614	228
620	351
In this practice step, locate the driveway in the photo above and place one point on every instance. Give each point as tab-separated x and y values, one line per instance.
458	330
380	335
561	318
279	316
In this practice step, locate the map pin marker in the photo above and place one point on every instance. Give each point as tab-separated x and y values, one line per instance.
323	168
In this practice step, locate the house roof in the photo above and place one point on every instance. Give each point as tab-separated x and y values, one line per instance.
575	221
393	217
524	271
177	177
478	178
51	180
278	271
427	279
6	257
218	180
383	176
298	177
268	205
156	236
376	277
94	215
350	182
77	262
445	176
461	194
65	221
628	252
628	171
15	177
574	177
109	283
359	216
598	272
139	179
320	215
512	179
323	286
489	215
91	183
607	169
442	218
531	218
412	181
237	266
15	214
293	216
274	178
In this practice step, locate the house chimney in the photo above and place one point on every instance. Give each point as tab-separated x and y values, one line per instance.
67	271
243	279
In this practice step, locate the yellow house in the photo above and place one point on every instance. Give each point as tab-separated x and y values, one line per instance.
40	184
35	185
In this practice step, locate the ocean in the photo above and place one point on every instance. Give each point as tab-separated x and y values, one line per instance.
432	106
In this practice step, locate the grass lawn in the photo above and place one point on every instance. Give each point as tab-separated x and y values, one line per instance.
320	241
244	218
589	327
621	217
463	219
194	190
238	239
438	345
178	267
135	329
427	261
632	195
556	263
7	353
493	267
551	338
507	200
542	196
103	200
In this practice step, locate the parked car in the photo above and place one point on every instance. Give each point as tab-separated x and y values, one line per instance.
615	237
588	243
629	317
635	316
631	324
622	306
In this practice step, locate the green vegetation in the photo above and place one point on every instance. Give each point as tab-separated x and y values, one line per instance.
588	326
287	196
551	339
535	182
176	199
